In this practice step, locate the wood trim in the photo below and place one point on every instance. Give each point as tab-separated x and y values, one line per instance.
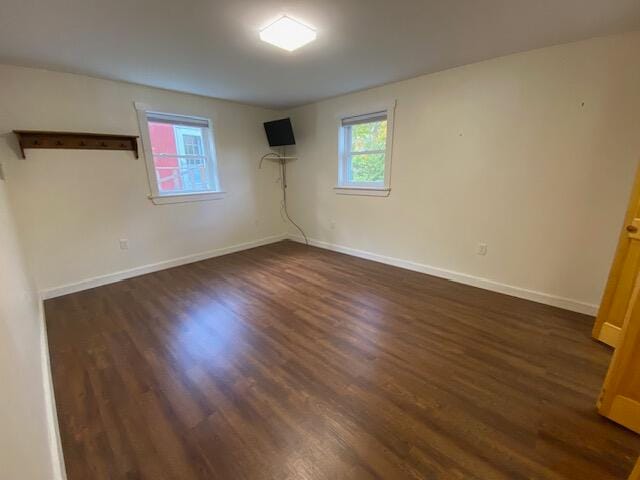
635	475
458	277
75	141
617	267
55	442
268	338
610	334
626	411
187	197
368	191
620	396
112	277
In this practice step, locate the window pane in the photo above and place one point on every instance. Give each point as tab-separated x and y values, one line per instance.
369	136
188	140
179	175
163	138
367	167
192	144
183	156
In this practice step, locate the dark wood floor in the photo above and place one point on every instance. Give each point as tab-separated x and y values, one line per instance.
290	362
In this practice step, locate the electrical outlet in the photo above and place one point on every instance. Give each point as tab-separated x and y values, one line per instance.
332	225
482	249
124	244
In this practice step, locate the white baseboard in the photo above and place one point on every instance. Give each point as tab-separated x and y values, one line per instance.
55	444
458	277
52	418
98	281
485	283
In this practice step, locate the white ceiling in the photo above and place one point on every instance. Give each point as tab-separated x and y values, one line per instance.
211	47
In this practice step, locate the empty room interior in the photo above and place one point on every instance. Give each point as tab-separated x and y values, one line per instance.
319	240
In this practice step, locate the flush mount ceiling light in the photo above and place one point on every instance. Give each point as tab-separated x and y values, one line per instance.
288	34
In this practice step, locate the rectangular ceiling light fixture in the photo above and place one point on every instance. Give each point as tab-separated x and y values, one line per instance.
288	34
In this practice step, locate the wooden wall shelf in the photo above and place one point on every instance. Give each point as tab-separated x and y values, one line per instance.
75	140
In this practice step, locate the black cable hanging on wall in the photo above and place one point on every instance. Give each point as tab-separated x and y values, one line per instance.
283	183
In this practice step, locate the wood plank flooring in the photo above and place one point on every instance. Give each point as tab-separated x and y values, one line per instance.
291	362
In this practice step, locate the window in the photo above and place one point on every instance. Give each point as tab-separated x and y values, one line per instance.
180	155
365	153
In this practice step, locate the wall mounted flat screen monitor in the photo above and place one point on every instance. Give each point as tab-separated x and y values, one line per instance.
279	133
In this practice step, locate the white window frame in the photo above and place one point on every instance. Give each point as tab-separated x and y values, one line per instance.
346	187
204	157
159	198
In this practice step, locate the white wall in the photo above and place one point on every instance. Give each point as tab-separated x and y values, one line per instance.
25	449
502	152
532	154
72	207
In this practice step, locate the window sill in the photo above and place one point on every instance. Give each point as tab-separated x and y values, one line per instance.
186	197
367	191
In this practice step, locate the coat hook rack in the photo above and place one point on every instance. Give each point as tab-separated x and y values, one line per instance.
75	141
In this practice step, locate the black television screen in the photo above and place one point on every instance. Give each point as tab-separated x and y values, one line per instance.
279	133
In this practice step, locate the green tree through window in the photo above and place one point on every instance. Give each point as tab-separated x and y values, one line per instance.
368	144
